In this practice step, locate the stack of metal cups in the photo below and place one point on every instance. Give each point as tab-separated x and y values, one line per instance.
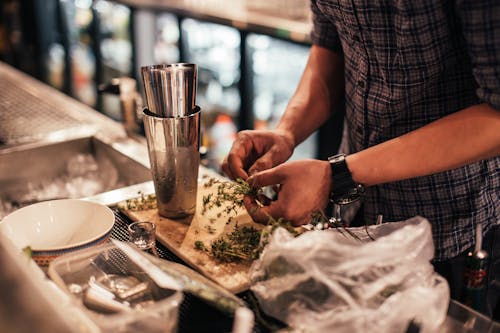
172	126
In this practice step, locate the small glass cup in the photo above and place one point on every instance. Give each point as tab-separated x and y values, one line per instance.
142	234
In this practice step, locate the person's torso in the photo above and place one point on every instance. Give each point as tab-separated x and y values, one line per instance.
406	65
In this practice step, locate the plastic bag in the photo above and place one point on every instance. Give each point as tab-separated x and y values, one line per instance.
333	281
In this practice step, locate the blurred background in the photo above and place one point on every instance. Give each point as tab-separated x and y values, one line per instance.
250	56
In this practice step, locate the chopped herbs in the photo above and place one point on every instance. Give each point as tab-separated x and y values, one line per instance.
246	243
199	245
210	229
242	244
143	202
229	196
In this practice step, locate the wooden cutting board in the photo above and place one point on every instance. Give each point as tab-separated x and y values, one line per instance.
179	236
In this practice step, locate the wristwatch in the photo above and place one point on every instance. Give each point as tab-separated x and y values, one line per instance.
344	189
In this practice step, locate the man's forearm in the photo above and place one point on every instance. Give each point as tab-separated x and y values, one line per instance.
458	139
320	89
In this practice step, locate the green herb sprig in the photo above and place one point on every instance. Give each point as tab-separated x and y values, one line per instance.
243	243
143	202
227	199
240	244
246	243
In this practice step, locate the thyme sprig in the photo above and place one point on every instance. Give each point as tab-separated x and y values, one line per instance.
240	244
243	243
246	243
228	197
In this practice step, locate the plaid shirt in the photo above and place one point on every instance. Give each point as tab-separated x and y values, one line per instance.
408	63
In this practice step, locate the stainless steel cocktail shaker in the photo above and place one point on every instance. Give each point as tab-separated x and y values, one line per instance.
172	126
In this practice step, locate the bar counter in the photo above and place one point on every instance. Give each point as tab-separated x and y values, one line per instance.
32	113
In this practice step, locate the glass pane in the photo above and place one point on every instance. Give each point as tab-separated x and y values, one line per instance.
79	17
277	66
216	50
166	49
116	47
116	54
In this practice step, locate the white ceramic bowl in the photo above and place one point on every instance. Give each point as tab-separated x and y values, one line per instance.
52	228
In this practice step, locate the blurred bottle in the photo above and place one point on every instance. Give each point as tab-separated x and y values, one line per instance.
222	134
55	65
122	102
83	67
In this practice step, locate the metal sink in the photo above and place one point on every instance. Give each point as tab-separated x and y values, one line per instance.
83	167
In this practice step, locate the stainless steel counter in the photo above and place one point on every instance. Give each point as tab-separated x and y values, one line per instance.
31	111
41	128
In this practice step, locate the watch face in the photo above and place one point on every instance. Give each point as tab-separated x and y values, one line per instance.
336	158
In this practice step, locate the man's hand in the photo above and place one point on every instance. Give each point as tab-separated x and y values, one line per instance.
253	151
304	187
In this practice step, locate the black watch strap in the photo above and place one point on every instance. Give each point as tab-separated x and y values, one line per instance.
344	189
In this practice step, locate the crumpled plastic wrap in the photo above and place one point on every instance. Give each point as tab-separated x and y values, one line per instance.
332	281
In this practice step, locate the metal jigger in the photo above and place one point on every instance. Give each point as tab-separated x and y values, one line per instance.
155	82
170	89
181	89
172	127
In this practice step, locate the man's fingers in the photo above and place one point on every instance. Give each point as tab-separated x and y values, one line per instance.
267	177
261	214
233	167
268	160
263	163
234	164
257	212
